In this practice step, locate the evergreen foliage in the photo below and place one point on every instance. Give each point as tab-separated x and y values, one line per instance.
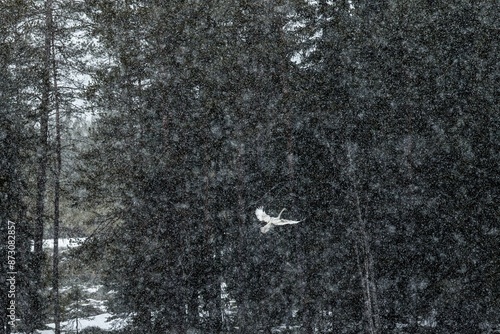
375	122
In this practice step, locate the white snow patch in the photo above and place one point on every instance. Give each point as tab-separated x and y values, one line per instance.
100	321
92	289
63	244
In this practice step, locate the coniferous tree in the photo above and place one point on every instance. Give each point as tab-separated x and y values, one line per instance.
11	192
57	174
16	108
203	118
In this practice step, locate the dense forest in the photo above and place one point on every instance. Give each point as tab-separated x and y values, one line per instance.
155	129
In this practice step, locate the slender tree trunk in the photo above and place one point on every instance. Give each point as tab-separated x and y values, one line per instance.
289	119
212	245
192	309
364	256
42	155
243	304
144	319
57	185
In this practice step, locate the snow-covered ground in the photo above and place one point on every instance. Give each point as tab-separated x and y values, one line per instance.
63	244
103	320
100	321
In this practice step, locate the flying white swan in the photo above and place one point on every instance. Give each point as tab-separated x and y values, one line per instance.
264	217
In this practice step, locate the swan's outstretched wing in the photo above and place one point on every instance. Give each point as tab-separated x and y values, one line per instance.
285	222
262	216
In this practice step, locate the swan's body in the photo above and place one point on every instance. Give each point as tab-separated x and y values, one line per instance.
271	221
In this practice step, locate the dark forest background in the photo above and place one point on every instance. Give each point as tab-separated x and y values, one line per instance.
156	128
